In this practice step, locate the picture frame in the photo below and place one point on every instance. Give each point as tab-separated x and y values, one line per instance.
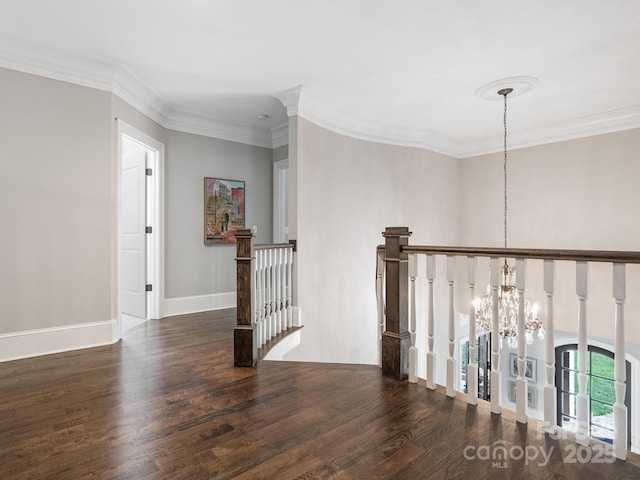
224	209
531	367
532	395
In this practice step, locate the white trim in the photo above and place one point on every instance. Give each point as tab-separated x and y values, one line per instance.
279	195
290	98
285	346
297	316
132	90
591	125
45	61
280	135
103	74
300	101
155	274
198	303
45	341
208	126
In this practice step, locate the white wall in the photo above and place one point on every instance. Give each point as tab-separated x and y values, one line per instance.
578	194
348	191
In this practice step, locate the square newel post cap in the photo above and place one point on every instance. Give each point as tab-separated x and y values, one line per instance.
396	232
244	233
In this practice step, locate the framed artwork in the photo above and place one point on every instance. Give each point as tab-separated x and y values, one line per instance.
530	367
223	209
532	395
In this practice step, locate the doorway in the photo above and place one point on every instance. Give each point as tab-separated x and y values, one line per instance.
139	252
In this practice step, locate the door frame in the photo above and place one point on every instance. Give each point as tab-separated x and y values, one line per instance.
279	195
155	216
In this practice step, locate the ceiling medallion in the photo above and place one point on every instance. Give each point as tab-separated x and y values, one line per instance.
520	86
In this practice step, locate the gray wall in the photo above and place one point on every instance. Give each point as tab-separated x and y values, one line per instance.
58	198
55	203
280	153
192	268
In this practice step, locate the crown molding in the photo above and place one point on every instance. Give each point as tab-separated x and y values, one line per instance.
290	99
45	61
190	122
280	135
130	88
78	69
309	106
587	126
101	74
301	101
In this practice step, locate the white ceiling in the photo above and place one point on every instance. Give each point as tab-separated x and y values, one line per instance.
398	71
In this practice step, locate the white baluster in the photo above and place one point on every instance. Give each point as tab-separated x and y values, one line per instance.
380	301
263	296
256	302
582	401
283	289
413	351
495	337
431	356
472	366
259	297
451	361
277	296
290	286
272	293
550	399
285	260
521	382
619	408
267	294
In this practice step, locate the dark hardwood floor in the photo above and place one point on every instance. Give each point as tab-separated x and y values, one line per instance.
166	402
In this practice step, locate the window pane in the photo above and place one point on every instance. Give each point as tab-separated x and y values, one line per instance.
603	434
569	423
603	390
568	404
602	414
602	365
568	359
569	383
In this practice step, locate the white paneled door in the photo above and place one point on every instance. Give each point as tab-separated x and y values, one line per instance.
133	254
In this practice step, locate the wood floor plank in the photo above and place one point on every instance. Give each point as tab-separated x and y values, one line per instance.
167	403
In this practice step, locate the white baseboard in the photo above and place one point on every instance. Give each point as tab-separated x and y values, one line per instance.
200	303
297	316
32	343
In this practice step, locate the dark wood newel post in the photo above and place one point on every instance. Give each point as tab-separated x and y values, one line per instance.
396	339
245	346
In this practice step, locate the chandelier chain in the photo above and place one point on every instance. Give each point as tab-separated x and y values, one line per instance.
509	300
505	170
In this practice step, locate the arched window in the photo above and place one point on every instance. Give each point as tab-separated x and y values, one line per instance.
600	388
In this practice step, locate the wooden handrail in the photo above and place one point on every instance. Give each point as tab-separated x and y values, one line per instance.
264	296
397	345
268	246
610	256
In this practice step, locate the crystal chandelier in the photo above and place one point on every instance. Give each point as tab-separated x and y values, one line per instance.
508	297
